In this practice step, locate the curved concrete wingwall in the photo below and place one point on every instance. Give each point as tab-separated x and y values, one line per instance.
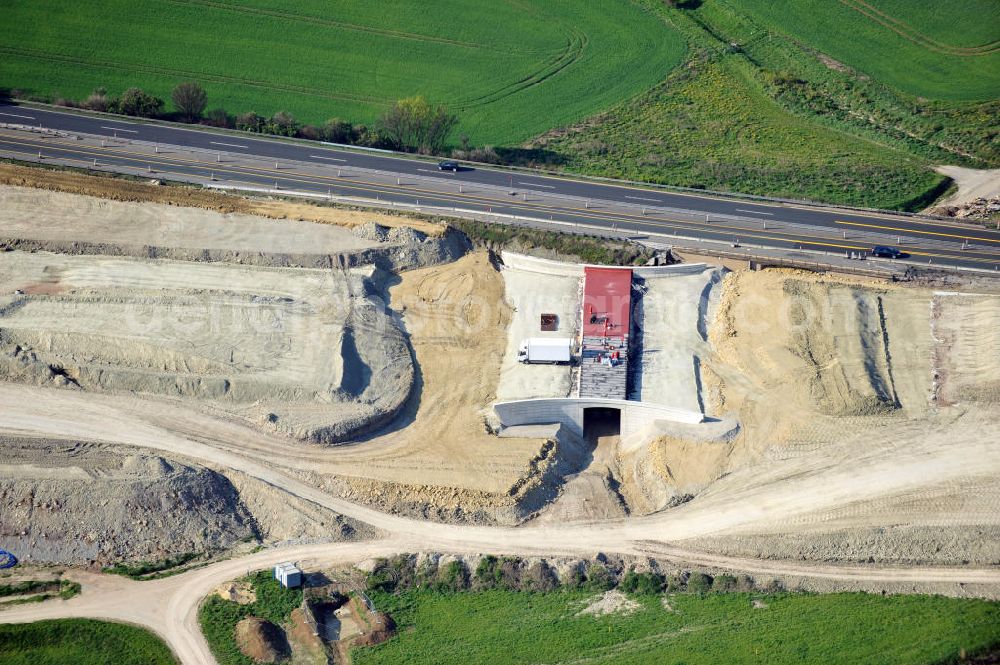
677	270
568	411
545	266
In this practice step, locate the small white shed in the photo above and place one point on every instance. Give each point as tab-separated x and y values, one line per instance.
289	575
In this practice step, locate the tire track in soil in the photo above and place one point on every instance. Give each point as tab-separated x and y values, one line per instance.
910	34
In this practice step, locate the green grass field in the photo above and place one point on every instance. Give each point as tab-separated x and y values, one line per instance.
218	617
509	69
947	51
732	95
715	128
755	110
81	642
504	628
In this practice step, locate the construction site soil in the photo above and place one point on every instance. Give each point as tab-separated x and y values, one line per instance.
883	397
292	354
848	419
76	502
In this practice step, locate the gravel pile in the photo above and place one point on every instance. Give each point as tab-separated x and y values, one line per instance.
372	231
81	503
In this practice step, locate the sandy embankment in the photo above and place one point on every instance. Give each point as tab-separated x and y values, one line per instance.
190	200
858	385
972	184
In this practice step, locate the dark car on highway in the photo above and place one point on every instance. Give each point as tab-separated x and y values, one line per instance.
884	252
449	165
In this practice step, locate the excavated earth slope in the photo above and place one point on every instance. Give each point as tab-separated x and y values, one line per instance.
76	502
875	404
276	346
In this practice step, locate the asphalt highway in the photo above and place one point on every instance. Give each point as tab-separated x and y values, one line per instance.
200	155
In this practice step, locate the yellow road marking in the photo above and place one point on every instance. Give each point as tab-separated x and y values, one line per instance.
926	233
389	189
485	200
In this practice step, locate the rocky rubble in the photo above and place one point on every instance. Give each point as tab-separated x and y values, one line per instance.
987	208
71	502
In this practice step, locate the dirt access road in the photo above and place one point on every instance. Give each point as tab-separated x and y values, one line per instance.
792	489
169	606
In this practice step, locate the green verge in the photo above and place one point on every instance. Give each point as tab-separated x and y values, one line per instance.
81	642
712	126
38	591
585	249
504	628
922	48
29	586
756	111
810	85
218	617
153	570
510	69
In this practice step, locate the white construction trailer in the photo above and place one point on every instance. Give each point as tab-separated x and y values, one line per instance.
288	574
545	350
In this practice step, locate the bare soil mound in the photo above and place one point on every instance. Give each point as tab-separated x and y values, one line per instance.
262	641
867	417
438	459
668	471
241	593
382	628
308	353
74	502
307	647
611	602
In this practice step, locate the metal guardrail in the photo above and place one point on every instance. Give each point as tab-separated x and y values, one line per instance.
367	601
733	196
580	228
640	211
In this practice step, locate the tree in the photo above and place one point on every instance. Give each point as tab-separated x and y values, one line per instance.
539	576
413	124
219	118
98	100
283	123
599	578
699	582
453	577
190	100
136	102
642	583
250	122
336	130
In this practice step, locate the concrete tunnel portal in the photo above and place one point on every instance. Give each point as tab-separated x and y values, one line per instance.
601	422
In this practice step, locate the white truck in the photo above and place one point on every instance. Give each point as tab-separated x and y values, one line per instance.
547	350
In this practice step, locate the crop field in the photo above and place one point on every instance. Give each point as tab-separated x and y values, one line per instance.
81	642
509	70
503	627
720	131
759	108
946	51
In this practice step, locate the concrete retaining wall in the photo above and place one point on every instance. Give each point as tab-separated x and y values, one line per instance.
679	270
563	269
544	266
636	416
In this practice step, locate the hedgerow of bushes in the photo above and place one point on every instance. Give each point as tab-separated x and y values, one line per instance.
402	573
